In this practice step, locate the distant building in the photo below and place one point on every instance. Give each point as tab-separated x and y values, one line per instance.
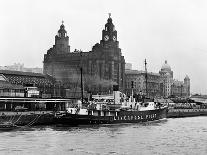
16	79
128	66
103	66
33	70
20	67
181	88
138	78
159	84
171	86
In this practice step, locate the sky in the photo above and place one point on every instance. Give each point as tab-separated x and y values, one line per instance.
158	30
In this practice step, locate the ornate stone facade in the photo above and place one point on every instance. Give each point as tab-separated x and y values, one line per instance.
139	83
104	62
159	84
172	87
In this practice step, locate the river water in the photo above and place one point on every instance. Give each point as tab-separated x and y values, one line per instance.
172	136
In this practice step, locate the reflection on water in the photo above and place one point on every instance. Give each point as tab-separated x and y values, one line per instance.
172	136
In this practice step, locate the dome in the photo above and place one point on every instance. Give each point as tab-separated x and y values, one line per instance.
167	75
166	67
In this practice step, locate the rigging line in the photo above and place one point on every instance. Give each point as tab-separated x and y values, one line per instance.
36	118
9	118
32	122
13	118
18	119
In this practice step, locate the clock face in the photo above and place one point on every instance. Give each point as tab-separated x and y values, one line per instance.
106	38
114	38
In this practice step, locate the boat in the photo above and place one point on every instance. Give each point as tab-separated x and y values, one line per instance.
29	111
7	126
101	113
120	110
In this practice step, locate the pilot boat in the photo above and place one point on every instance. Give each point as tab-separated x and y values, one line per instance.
113	109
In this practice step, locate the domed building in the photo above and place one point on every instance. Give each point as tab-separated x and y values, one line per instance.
166	79
172	87
102	67
166	69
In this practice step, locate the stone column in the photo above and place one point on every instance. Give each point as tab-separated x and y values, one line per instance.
112	70
89	67
119	75
103	69
97	68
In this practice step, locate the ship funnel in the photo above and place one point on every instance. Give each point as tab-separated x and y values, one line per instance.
116	94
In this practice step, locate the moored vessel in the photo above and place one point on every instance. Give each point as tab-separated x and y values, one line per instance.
103	113
112	109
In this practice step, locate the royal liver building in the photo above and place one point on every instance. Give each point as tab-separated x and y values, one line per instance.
103	66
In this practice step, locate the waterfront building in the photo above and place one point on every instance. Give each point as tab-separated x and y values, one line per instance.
181	88
166	69
166	77
187	86
9	89
159	84
46	84
137	80
102	67
20	67
172	87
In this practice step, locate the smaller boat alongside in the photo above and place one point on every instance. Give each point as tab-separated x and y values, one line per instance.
7	126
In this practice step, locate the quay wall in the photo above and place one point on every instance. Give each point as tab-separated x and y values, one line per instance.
176	113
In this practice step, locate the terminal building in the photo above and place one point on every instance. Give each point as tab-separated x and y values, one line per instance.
103	66
15	83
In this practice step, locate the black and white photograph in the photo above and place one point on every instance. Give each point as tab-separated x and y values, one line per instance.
103	77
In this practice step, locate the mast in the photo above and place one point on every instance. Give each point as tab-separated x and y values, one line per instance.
145	64
81	71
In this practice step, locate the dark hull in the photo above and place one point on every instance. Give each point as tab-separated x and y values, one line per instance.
29	119
120	117
7	127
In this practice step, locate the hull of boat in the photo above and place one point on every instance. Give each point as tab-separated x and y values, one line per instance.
24	118
119	117
8	128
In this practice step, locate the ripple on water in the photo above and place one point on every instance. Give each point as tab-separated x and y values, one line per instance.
174	136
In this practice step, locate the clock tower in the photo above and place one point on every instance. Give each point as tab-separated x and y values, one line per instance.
109	34
106	60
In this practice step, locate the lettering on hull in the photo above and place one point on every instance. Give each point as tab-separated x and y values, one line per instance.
151	116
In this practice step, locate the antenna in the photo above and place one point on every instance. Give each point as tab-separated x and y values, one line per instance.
145	64
81	70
